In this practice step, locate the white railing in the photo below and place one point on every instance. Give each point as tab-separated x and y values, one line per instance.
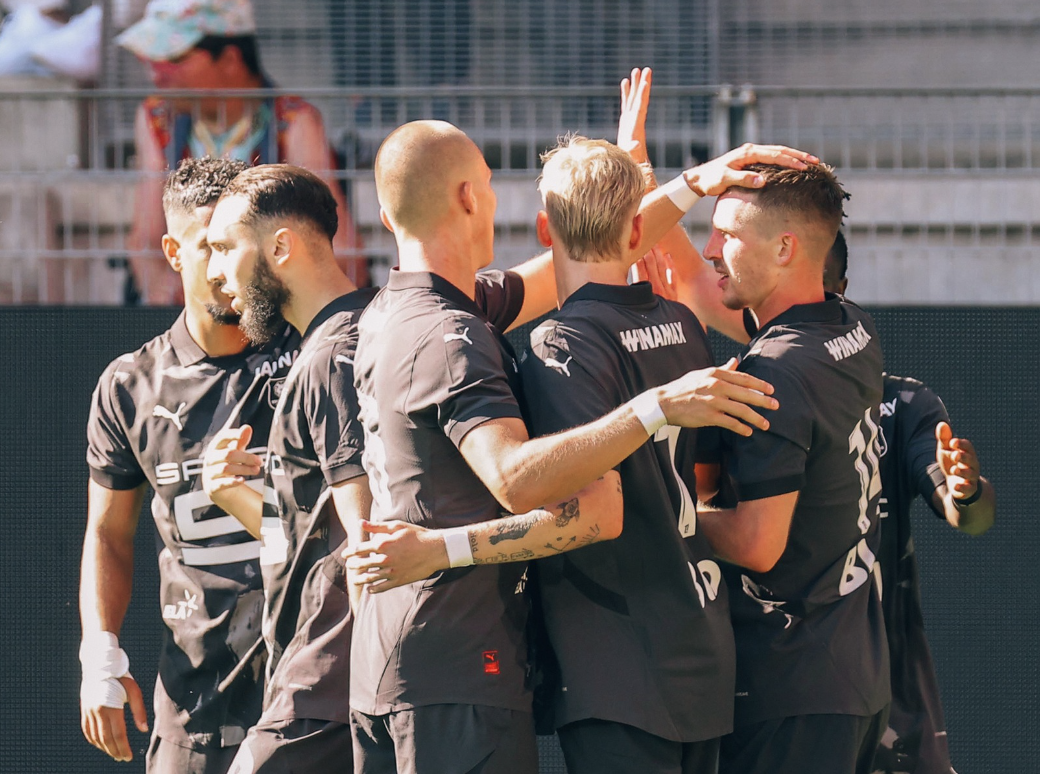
915	161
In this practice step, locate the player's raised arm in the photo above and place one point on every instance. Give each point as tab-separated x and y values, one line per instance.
970	502
106	580
226	467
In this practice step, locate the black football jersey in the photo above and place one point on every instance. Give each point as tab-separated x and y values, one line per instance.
917	741
431	366
640	624
809	633
152	416
315	443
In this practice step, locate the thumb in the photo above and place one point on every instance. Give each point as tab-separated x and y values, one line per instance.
731	365
245	435
136	701
744	179
944	435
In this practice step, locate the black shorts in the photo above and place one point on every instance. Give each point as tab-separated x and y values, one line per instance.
605	747
445	739
299	746
820	744
166	757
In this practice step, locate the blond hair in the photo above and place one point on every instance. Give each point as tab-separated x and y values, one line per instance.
591	189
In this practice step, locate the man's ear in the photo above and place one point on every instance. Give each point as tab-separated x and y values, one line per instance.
283	240
843	286
786	247
637	232
541	225
467	198
171	251
385	220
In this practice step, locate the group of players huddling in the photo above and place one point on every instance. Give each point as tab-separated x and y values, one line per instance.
384	541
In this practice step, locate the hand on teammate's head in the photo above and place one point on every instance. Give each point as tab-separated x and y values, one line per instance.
715	177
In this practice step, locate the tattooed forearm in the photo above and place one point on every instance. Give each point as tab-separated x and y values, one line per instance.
589	537
560	545
568	512
514	529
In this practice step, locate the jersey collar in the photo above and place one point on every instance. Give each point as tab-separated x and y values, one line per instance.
184	346
356	299
639	294
827	310
405	280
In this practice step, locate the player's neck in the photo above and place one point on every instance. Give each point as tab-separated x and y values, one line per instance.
313	291
784	297
214	339
573	275
442	257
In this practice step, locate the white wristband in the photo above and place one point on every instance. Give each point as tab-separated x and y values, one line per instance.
649	412
680	193
456	543
103	663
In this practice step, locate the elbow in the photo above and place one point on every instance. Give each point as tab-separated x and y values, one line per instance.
761	556
610	527
514	498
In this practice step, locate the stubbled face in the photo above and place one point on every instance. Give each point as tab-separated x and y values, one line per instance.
189	231
240	267
742	251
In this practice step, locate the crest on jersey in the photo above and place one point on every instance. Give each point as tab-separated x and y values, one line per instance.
275	388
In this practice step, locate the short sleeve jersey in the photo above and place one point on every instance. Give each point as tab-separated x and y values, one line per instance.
316	443
648	609
152	415
431	366
909	413
810	639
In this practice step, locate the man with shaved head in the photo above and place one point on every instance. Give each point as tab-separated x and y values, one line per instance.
438	671
812	663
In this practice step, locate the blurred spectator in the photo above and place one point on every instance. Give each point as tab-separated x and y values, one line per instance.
211	44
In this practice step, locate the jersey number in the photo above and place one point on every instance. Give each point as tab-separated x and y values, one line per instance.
687	507
860	560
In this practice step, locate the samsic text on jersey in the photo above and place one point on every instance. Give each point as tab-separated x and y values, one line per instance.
152	415
431	366
640	624
316	443
809	632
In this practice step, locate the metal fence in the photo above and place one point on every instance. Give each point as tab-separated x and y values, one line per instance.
949	175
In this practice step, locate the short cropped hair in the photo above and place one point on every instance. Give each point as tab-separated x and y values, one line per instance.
590	189
839	256
813	192
198	183
286	191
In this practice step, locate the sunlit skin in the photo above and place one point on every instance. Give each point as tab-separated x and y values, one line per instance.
487	202
765	265
235	249
742	252
187	250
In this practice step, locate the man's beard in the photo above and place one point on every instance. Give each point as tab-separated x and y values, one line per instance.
221	315
263	299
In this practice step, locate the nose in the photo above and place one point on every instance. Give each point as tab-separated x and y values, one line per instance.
214	269
713	250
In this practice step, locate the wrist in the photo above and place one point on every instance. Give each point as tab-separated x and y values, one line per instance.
457	547
648	411
681	193
964	502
